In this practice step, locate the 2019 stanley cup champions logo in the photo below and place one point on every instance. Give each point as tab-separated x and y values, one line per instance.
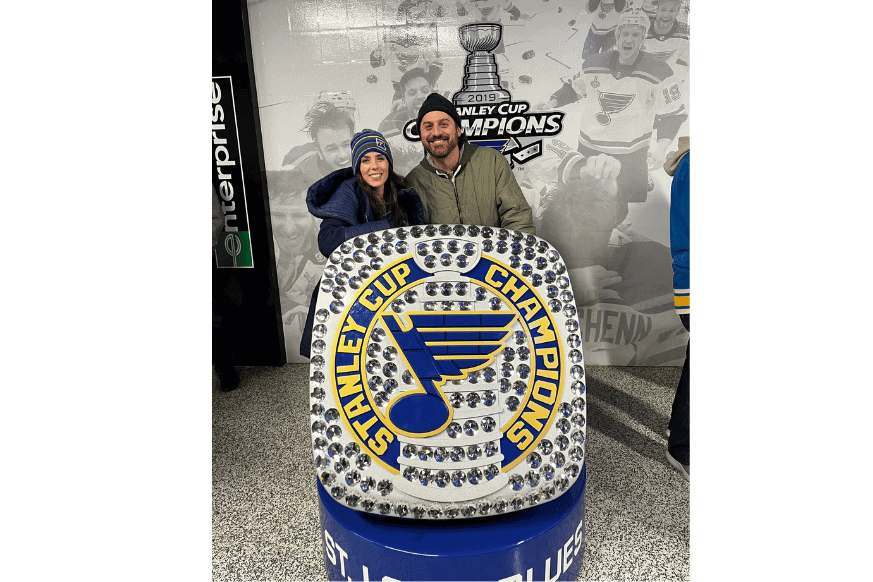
447	377
488	114
234	247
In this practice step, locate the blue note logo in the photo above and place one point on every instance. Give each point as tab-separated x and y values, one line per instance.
441	346
611	103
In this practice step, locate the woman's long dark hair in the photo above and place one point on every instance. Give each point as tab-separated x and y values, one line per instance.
392	208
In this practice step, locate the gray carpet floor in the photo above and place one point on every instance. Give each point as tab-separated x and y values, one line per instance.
264	502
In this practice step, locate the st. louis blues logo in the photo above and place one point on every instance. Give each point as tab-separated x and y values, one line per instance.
437	347
611	103
380	144
447	375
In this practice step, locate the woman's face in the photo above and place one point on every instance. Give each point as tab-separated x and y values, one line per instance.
374	170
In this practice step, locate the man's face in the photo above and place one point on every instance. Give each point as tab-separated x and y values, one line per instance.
667	12
293	226
414	93
334	146
629	41
439	134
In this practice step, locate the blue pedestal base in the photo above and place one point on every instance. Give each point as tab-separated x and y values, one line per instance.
539	543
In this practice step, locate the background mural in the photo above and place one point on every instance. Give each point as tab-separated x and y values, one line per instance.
328	68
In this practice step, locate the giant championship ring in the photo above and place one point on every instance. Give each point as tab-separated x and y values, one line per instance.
447	378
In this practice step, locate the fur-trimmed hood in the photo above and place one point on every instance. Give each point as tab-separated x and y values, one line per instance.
673	160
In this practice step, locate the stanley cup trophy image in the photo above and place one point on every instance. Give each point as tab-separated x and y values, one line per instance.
481	80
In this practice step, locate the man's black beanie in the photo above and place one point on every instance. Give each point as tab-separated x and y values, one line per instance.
436	102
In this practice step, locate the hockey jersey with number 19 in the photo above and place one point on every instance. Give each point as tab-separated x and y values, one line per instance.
624	104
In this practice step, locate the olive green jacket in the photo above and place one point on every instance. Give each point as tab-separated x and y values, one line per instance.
481	191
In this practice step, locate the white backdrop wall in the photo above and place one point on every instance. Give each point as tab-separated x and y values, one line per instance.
353	52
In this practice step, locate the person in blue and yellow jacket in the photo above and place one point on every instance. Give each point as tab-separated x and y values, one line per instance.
679	166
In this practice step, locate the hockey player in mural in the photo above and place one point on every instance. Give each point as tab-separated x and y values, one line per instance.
298	262
627	97
409	54
650	7
601	33
415	88
621	277
330	125
408	47
668	40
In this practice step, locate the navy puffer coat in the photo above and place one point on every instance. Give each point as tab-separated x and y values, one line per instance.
346	213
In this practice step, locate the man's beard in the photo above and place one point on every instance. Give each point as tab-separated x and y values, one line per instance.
451	145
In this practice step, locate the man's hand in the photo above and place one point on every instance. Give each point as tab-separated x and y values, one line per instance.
602	167
590	284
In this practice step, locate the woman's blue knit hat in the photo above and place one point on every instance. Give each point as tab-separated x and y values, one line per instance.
366	141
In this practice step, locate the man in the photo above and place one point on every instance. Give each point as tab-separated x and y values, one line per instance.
298	262
601	33
408	47
461	183
668	38
650	7
415	86
628	96
679	439
414	89
668	41
331	129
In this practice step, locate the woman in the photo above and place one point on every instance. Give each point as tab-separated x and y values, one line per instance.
354	201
